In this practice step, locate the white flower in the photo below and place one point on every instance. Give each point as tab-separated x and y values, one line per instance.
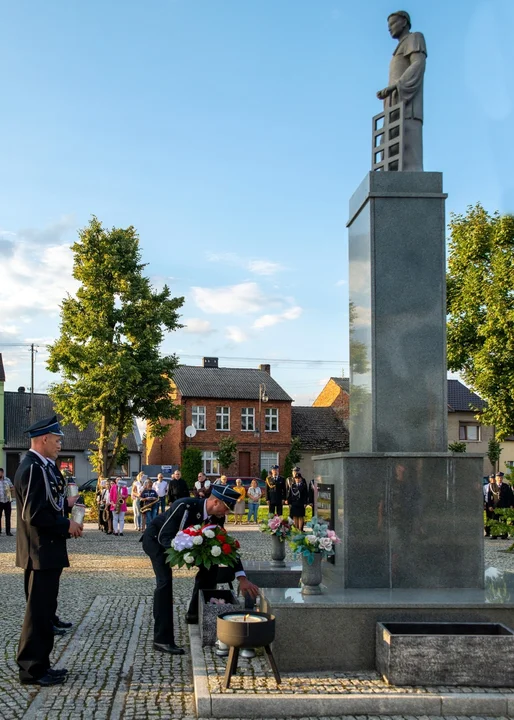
182	542
325	544
197	540
189	558
311	540
216	551
208	533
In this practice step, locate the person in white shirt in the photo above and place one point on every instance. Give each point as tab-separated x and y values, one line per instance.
135	494
6	488
161	488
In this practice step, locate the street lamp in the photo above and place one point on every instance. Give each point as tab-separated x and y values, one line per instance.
263	398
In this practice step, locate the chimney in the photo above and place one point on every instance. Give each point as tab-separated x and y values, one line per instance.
265	368
210	362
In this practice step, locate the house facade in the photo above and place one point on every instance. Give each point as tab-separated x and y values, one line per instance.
244	403
320	430
335	394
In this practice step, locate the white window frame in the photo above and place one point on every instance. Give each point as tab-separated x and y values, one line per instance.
271	459
270	415
222	415
463	430
248	419
199	417
211	465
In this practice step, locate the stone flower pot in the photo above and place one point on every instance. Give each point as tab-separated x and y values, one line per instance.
311	576
278	551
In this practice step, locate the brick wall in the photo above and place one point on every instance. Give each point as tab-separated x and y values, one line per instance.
334	396
168	450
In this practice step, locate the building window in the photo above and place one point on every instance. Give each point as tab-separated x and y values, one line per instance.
469	432
271	424
211	465
268	459
198	417
66	465
247	419
222	418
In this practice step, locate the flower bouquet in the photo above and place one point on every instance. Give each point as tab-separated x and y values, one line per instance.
316	538
278	526
204	545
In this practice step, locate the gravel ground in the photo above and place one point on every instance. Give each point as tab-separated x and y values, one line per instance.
114	671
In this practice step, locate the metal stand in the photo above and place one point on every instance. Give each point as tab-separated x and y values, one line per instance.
233	657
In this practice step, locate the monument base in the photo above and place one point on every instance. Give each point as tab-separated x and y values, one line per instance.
406	520
338	628
265	574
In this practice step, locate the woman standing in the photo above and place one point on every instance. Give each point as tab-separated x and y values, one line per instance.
118	497
149	500
239	507
135	494
254	499
101	484
297	499
105	507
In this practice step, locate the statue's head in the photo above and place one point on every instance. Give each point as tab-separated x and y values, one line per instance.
398	22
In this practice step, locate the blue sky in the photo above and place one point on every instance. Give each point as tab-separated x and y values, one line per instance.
231	134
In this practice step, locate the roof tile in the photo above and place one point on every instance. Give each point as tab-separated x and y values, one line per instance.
226	383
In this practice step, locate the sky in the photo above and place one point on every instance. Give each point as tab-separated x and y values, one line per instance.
231	134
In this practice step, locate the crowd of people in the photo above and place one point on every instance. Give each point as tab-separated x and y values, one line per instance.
498	495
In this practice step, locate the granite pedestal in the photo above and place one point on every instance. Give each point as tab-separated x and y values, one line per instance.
264	574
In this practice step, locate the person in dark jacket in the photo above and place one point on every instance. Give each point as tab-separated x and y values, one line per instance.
499	497
275	491
298	498
42	531
157	539
177	488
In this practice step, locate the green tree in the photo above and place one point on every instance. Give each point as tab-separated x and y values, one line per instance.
226	452
191	465
494	451
108	349
480	303
293	457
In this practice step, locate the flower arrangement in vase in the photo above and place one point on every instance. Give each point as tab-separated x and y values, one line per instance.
204	545
315	539
278	526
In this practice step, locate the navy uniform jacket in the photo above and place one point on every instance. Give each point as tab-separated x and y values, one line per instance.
182	514
42	530
275	489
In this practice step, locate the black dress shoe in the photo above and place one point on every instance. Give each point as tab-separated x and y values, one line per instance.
62	624
57	672
9	534
171	649
45	681
191	619
59	631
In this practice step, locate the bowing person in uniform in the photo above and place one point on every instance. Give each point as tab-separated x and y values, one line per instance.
42	531
157	539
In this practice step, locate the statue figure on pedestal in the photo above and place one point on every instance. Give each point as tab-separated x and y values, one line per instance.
406	73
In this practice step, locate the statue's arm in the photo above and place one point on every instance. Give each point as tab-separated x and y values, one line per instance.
411	80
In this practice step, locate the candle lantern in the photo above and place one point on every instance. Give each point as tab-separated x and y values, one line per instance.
246	630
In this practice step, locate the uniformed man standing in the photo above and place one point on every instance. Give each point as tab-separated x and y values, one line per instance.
275	491
42	530
157	539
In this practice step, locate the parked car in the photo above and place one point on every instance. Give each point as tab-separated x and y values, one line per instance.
88	485
245	480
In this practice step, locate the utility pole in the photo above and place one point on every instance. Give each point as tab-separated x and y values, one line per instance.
32	363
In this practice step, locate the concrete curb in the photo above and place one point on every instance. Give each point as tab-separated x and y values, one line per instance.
232	705
200	682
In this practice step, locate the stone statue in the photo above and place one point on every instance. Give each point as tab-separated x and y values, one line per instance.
406	73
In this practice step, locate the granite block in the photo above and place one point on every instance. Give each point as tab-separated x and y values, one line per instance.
467	654
475	704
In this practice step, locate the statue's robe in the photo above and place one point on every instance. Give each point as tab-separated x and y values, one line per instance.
406	73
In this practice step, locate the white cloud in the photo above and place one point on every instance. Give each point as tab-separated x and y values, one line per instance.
256	266
273	319
264	267
339	283
198	326
235	334
241	299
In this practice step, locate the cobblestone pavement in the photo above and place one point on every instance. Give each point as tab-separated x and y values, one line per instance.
114	671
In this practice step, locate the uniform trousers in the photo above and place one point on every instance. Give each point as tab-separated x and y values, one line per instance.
275	507
204	580
37	633
5	508
163	631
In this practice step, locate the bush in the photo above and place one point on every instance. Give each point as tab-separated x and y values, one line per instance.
91	505
264	474
192	464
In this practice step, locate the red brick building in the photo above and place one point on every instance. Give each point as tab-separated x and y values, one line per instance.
335	394
225	401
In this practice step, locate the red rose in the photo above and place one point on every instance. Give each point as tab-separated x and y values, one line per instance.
220	538
237	544
226	549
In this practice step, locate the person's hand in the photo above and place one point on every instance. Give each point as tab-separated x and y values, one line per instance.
285	502
247	587
75	530
383	94
72	500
